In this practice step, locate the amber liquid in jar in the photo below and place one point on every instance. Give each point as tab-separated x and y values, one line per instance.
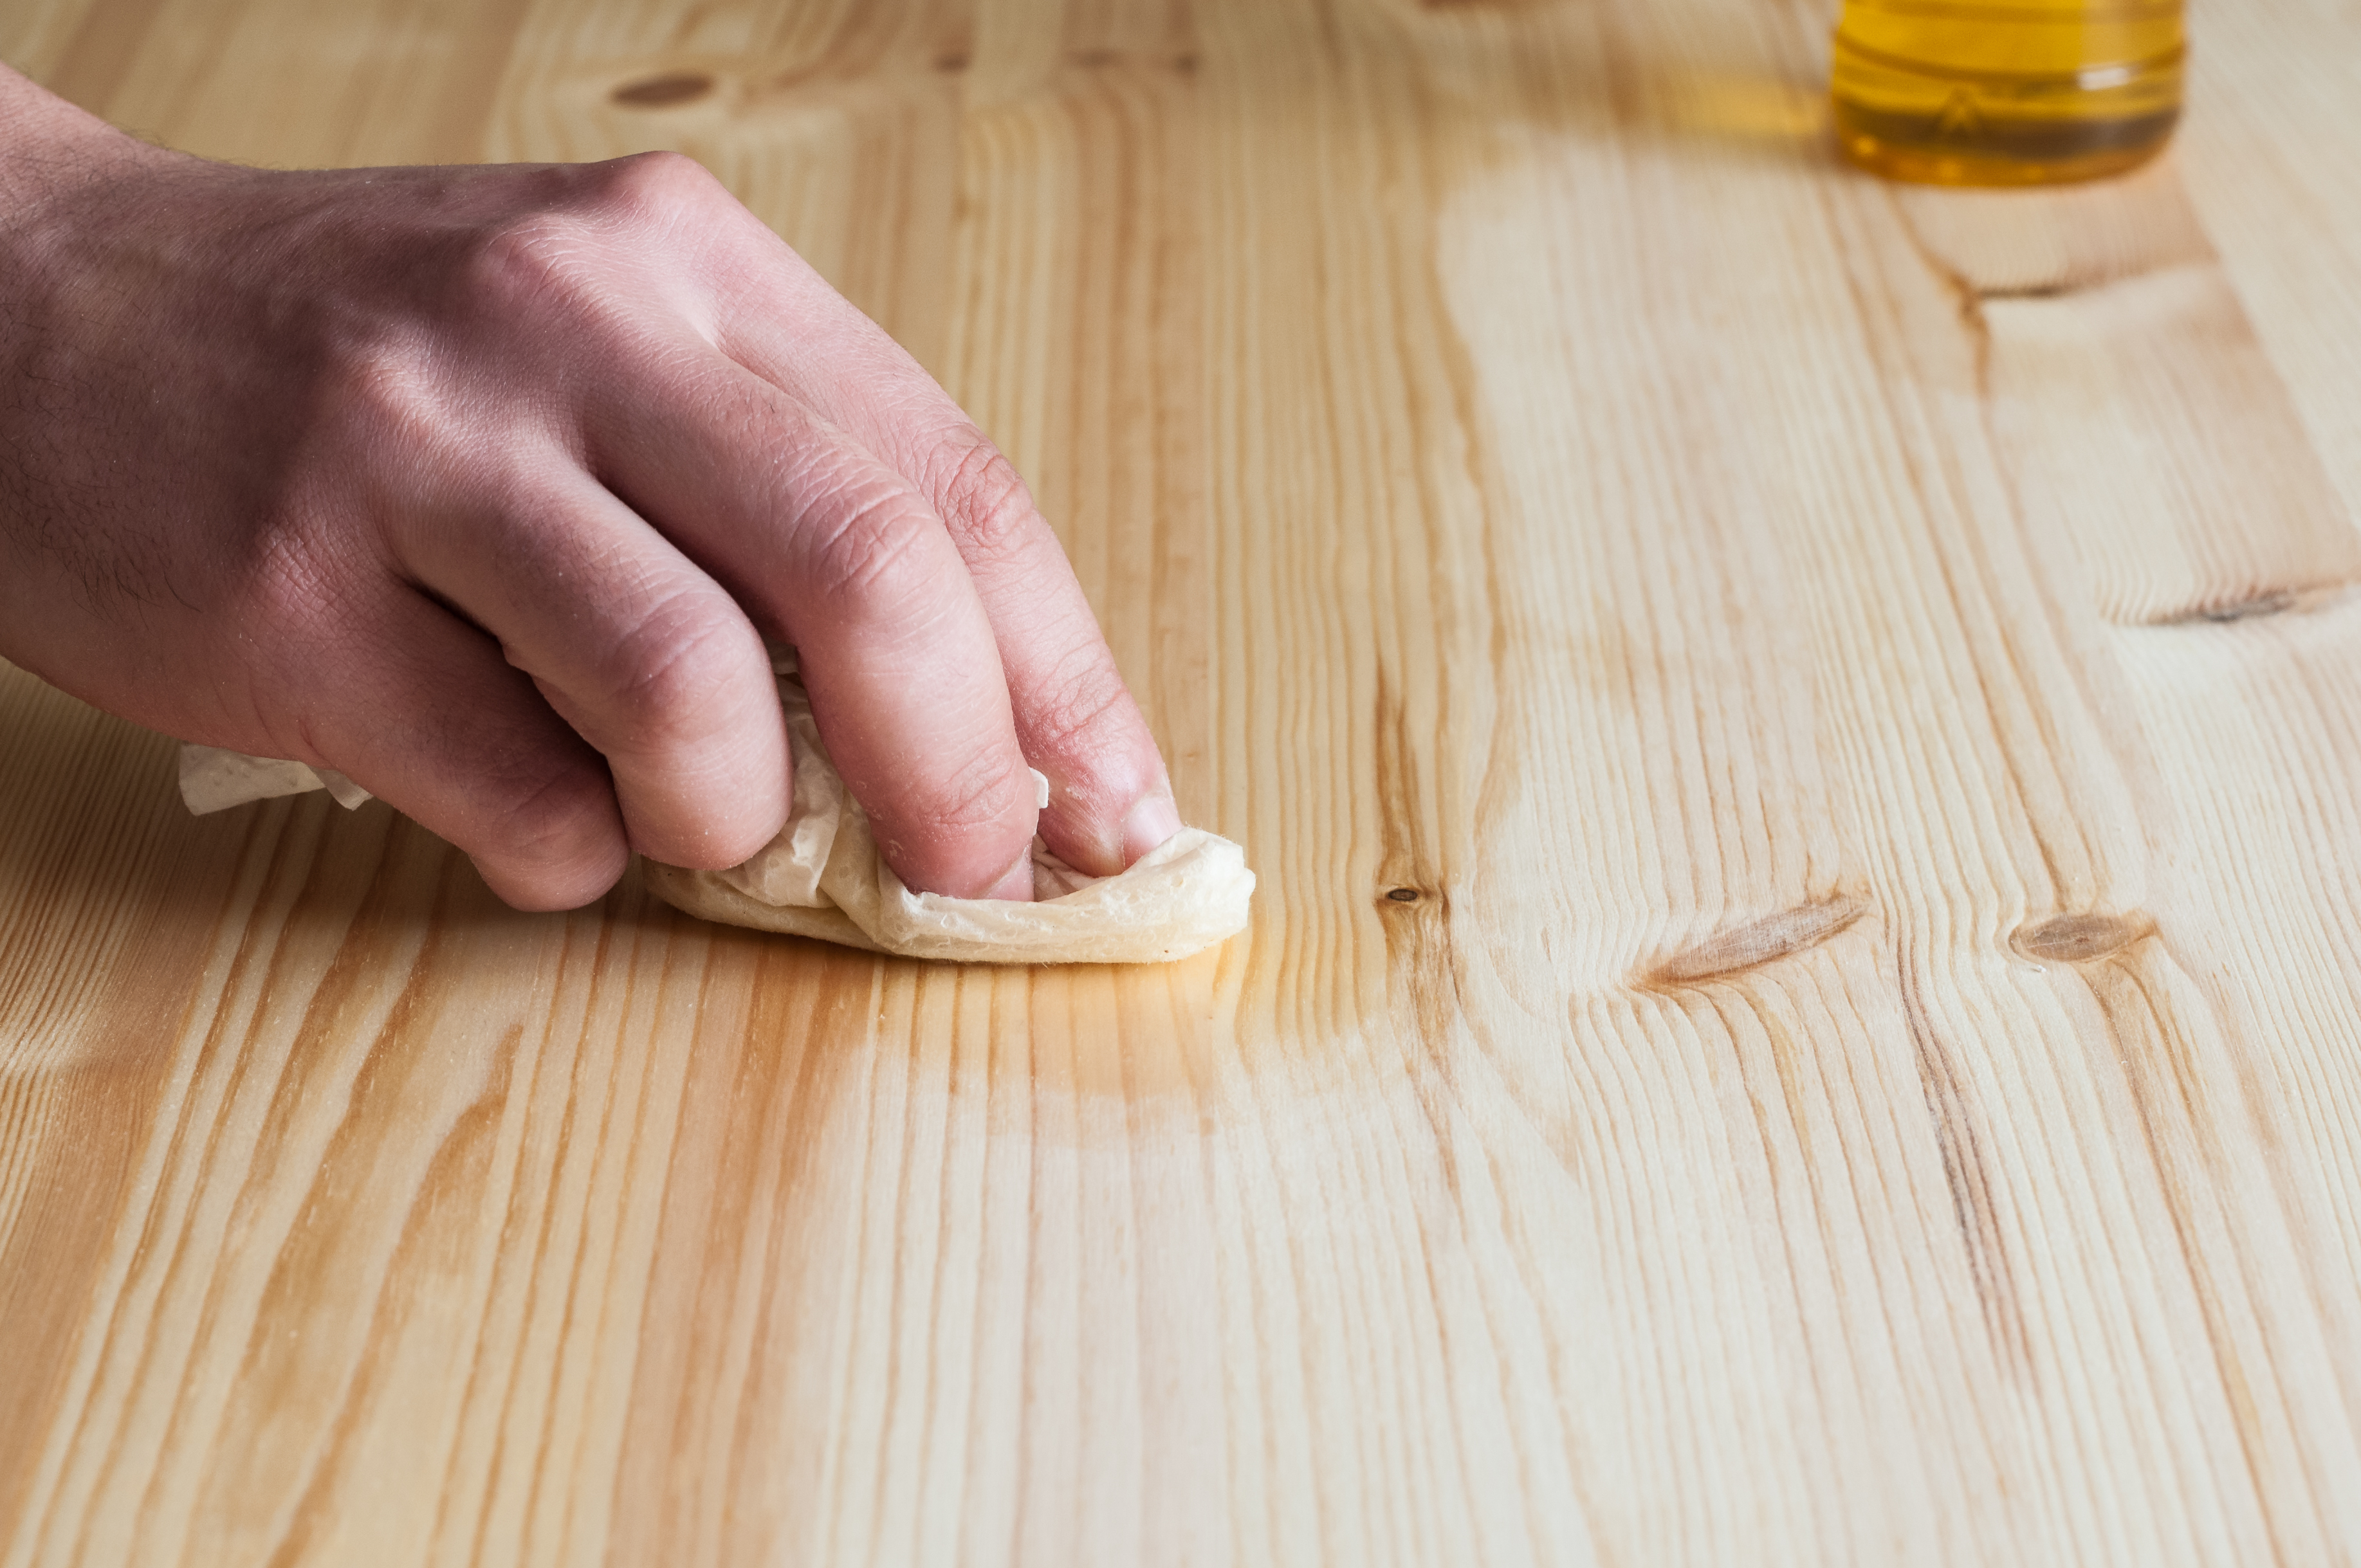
2022	92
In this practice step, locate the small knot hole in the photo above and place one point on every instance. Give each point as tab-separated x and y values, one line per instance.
663	91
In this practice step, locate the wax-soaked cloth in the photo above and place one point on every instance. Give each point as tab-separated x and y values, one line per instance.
823	877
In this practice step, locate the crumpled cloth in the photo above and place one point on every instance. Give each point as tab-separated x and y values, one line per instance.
215	780
822	876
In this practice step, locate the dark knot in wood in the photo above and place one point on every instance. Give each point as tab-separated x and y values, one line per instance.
2080	938
663	91
1757	942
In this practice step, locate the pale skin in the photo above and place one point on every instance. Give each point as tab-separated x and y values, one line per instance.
484	485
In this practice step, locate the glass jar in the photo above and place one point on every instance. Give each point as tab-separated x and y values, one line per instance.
2030	91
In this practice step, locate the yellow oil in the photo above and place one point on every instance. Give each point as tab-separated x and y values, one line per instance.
2021	93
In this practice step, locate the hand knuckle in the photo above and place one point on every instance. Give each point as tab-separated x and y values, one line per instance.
986	499
660	185
549	817
517	255
876	558
547	253
981	793
1085	705
674	669
518	268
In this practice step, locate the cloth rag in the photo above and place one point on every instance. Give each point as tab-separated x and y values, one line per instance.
823	877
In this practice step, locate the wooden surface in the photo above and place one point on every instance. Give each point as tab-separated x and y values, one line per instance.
1865	686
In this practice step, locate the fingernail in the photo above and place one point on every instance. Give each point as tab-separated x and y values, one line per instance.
1149	823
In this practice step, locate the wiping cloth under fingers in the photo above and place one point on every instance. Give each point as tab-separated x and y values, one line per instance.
823	877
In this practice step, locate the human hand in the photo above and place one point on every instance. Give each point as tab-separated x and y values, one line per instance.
482	486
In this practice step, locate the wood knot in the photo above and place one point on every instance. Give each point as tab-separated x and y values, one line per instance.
2049	289
663	91
2251	603
2273	601
1759	942
1402	894
2080	938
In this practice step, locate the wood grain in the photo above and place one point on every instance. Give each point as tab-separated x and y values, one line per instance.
1799	740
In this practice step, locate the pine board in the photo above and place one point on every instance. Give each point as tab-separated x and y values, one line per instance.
1865	685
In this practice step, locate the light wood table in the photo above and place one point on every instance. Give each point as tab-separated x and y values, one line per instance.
1803	741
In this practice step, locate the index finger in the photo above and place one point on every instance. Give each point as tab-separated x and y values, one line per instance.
1111	798
832	551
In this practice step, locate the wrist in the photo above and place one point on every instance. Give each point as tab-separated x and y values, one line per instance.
49	150
52	159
